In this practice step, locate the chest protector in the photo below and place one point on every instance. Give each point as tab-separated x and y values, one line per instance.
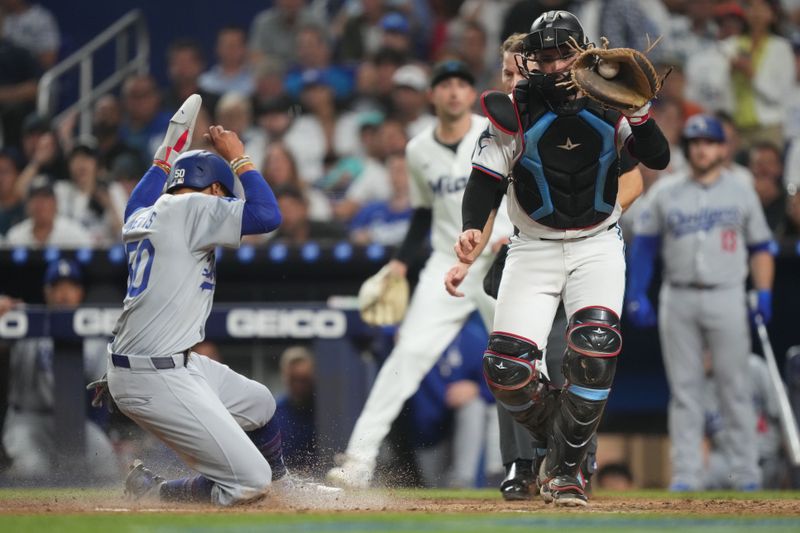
568	174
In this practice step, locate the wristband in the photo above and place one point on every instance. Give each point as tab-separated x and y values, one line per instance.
163	165
240	162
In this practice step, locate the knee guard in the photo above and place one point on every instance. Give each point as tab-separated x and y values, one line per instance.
510	363
593	343
511	368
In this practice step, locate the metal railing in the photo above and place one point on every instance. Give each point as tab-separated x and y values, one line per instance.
120	31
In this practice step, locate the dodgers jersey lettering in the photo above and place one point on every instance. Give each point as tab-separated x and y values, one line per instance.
438	179
172	271
705	229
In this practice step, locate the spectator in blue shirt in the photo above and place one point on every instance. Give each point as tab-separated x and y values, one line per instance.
385	222
295	410
144	124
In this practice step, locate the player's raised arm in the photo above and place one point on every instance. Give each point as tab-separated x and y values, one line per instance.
176	141
261	213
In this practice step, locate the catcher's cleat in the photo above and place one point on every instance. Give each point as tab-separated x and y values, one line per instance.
180	131
142	482
564	491
351	475
517	484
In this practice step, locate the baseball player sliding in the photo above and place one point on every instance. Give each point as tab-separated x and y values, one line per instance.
219	422
565	154
439	164
708	225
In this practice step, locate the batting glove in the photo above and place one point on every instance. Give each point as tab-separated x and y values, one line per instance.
179	133
101	395
641	313
763	306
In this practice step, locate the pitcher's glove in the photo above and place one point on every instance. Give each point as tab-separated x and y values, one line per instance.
101	394
383	298
618	78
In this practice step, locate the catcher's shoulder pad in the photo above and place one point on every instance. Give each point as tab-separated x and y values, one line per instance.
500	111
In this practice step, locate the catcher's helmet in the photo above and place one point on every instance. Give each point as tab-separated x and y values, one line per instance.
703	127
198	169
552	30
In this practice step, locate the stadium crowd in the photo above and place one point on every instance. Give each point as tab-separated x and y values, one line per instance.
327	101
325	98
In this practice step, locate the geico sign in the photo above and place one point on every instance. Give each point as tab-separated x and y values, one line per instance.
294	323
91	322
13	325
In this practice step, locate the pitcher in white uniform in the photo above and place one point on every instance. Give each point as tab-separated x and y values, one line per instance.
439	165
219	422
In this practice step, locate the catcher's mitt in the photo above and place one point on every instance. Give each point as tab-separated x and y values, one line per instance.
383	298
619	78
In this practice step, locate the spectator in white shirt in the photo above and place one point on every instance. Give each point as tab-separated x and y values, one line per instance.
32	27
322	134
44	227
235	113
410	99
86	200
232	71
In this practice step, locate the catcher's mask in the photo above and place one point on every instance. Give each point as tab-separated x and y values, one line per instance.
559	31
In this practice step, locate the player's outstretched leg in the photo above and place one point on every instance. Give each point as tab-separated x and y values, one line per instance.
593	343
268	441
143	482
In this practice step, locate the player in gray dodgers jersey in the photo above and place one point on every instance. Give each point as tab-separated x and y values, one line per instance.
217	421
706	225
769	440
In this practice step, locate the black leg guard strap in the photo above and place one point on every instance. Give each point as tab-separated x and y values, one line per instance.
593	343
510	366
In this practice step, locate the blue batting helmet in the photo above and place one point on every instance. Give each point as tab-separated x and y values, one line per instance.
703	127
198	169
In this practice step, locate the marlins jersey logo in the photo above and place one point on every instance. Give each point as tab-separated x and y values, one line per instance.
483	141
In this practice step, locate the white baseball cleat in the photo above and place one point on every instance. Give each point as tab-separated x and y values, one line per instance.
290	485
180	131
352	475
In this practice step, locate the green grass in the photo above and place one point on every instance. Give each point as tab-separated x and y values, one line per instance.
517	518
389	522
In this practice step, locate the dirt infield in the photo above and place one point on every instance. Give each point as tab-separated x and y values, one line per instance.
77	501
